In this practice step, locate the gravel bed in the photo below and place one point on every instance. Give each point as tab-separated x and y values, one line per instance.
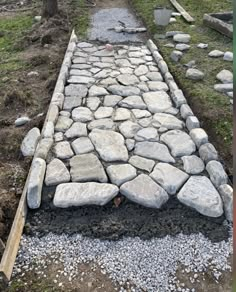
148	265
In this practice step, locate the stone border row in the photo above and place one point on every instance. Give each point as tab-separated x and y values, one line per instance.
192	122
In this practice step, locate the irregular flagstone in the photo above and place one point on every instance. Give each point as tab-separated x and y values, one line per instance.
127	79
166	120
142	86
109	144
112	100
133	102
58	137
29	143
82	145
142	163
108	81
122	63
193	164
199	136
81	80
80	194
82	114
86	168
128	129
228	56
103	74
93	103
103	124
225	76
56	173
192	192
217	173
192	122
137	61
123	90
102	65
154	76
63	150
121	173
84	45
104	53
81	66
157	86
141	70
136	54
141	113
71	102
76	72
169	177
226	193
103	112
144	191
179	142
147	134
76	130
122	114
153	150
97	91
126	70
76	90
63	124
157	101
208	152
185	111
182	47
35	184
145	122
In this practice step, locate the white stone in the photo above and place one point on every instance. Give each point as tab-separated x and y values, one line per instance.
142	163
29	143
157	86
185	111
111	100
76	130
208	152
80	194
130	143
217	173
76	90
216	54
63	150
192	122
122	63
108	81
103	112
224	88
154	76
103	124
226	193
56	173
225	76
81	80
121	173
82	145
178	97
21	121
193	164
163	67
166	120
122	114
179	142
124	90
136	61
127	79
194	74
104	53
59	136
169	177
128	129
65	114
182	38
133	102
182	47
109	144
144	191
202	46
176	55
145	122
35	184
97	91
126	70
147	134
63	124
228	56
93	103
71	102
141	70
49	130
141	113
192	195
199	136
82	114
43	148
157	102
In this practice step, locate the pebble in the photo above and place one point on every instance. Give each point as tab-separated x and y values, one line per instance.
21	121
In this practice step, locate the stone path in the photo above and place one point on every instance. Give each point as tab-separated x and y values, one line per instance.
124	127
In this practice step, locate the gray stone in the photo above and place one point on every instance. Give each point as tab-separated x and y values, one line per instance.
76	130
53	113
169	177
72	102
185	111
142	163
29	143
86	168
124	90
153	68
157	56
163	67
182	47
128	129
224	88
226	193
79	60
225	76
58	137
179	142
153	150
228	56
157	102
182	38
80	194
130	143
136	61
48	131
147	134
208	152
192	122
109	145
102	65
122	114
195	74
170	34
84	45
145	122
133	102
126	70
81	66
217	173
127	79
167	121
154	76
139	114
121	173
178	98
76	72
107	59
216	54
142	85
56	173
193	164
108	81
172	85
122	63
103	74
172	111
81	80
104	53
192	195
112	100
202	46
157	86
144	191
141	70
97	91
93	103
21	121
63	150
176	55
82	145
35	184
63	124
82	114
199	136
103	124
103	112
76	90
43	148
136	54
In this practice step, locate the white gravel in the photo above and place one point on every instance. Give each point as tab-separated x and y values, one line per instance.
149	265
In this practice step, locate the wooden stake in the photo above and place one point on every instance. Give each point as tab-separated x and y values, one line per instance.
181	10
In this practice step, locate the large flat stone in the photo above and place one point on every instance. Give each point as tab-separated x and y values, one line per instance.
76	130
144	191
123	90
191	194
128	129
56	173
82	114
103	124
109	144
168	121
63	124
80	194
103	112
76	90
71	102
29	143
133	102
63	150
111	100
97	91
121	173
86	168
82	145
169	177
157	102
142	163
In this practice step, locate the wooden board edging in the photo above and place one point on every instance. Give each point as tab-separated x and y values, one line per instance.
183	12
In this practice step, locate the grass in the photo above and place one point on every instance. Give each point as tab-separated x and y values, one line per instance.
80	18
212	108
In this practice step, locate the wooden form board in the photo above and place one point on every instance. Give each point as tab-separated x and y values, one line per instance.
181	10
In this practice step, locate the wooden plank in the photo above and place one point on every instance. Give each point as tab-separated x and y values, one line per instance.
181	10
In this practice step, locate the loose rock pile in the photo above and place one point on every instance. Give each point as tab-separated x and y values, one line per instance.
118	123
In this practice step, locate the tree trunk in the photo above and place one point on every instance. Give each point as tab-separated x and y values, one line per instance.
50	8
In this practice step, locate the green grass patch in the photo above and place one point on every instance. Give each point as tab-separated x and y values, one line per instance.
80	18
